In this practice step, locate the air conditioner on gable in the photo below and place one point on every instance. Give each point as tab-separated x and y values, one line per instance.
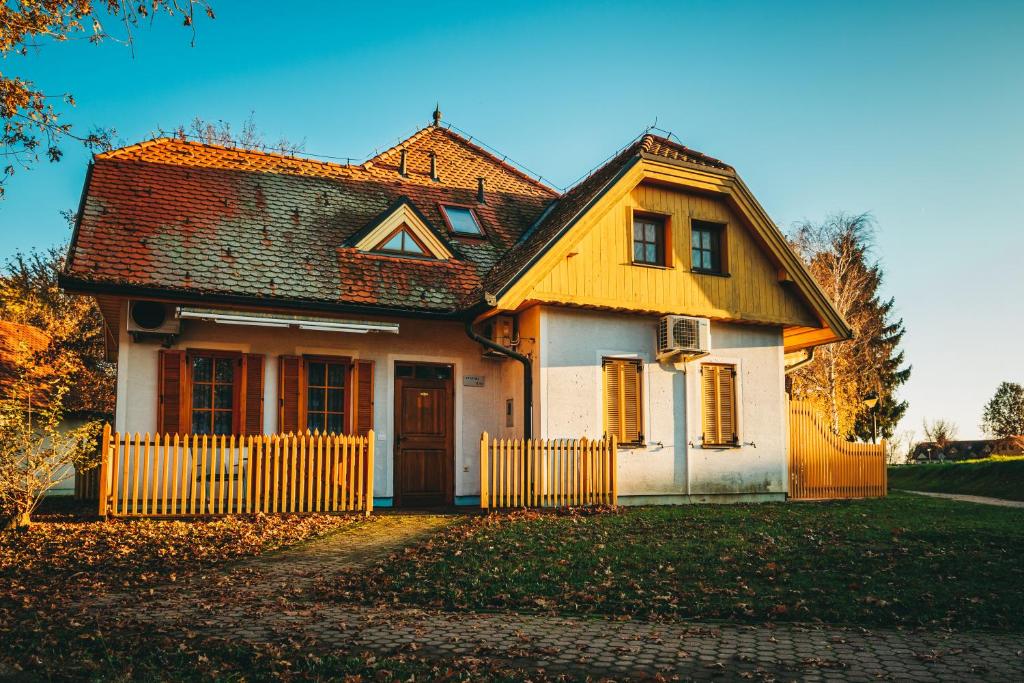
683	336
152	318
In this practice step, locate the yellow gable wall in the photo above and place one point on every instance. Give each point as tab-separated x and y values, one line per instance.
598	270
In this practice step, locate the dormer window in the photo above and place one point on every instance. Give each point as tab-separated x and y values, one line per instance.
462	220
403	232
402	242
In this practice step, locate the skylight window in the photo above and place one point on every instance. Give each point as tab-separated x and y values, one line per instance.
403	243
462	220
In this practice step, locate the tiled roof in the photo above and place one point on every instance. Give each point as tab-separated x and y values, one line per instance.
174	215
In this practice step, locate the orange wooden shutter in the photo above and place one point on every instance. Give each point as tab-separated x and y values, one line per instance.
362	402
252	401
623	398
171	409
289	377
718	404
632	423
727	404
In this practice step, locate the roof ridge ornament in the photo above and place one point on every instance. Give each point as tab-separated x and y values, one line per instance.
437	114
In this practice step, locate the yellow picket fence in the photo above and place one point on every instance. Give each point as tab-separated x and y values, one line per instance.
822	465
189	475
547	472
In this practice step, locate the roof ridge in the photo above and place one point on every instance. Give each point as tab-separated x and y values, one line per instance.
501	162
122	151
466	142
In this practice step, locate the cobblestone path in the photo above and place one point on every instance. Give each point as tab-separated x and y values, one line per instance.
270	598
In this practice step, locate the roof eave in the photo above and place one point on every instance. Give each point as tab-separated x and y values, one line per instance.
79	285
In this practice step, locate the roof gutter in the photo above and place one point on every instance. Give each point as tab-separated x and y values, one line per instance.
527	373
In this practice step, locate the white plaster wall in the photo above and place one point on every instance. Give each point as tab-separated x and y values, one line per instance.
672	463
477	409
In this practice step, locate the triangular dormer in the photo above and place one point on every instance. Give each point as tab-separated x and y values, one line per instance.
402	231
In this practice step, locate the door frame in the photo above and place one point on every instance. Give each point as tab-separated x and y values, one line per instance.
455	423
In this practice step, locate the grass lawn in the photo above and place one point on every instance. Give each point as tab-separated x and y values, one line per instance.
901	561
997	477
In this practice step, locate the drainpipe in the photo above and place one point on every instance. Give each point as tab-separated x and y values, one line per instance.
527	374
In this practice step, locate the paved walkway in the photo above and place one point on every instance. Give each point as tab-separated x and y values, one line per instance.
273	598
984	500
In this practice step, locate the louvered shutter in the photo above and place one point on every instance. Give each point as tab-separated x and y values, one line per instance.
718	404
612	406
288	390
623	397
362	401
727	404
252	401
171	408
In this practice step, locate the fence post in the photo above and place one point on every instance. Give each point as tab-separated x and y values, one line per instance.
615	470
483	472
104	486
370	441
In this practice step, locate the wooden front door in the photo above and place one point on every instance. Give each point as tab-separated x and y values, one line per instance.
424	440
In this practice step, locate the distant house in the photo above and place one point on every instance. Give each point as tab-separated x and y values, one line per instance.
435	292
930	451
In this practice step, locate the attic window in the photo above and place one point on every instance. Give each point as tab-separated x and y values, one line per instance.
402	242
462	220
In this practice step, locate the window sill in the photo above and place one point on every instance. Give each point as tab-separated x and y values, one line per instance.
656	266
697	271
720	447
632	446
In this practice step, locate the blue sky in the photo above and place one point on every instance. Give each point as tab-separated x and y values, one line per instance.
912	111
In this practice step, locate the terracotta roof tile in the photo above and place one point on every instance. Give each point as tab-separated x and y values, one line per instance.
183	216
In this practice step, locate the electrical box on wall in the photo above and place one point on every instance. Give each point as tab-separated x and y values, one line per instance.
501	329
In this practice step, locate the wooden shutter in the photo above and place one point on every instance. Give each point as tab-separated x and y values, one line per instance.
718	404
623	398
252	390
362	400
288	391
172	405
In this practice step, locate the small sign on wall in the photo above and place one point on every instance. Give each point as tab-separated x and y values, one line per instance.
472	380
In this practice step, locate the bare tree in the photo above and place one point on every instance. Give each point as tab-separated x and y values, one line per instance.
220	132
838	252
32	126
940	431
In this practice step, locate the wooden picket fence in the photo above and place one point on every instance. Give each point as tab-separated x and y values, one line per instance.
87	484
547	472
189	475
822	465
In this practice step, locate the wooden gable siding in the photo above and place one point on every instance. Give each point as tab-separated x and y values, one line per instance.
598	270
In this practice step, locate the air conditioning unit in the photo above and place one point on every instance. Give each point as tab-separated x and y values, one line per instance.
683	336
152	317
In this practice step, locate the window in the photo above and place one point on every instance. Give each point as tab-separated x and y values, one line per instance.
403	242
326	388
718	404
214	392
462	220
649	241
706	246
623	417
